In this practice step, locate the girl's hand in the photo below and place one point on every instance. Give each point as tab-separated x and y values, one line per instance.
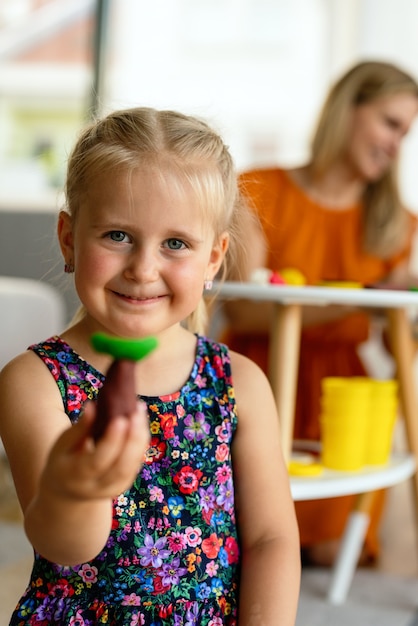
81	469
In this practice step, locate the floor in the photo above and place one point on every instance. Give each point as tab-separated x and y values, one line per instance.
399	528
15	552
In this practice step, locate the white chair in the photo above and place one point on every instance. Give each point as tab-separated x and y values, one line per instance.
30	311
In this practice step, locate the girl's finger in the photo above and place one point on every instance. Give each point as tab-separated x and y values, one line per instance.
130	457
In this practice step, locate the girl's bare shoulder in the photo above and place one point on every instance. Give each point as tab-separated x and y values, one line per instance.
251	386
22	370
28	394
243	367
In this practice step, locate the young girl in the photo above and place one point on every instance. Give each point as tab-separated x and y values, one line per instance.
204	533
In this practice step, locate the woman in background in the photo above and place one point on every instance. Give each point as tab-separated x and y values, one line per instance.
337	218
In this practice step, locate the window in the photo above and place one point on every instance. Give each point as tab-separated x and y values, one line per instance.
45	79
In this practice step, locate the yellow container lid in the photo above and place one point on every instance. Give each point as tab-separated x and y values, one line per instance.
340	284
299	468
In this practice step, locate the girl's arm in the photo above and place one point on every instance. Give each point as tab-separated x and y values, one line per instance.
65	482
270	576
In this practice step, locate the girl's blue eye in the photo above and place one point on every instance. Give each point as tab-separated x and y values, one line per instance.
117	235
175	244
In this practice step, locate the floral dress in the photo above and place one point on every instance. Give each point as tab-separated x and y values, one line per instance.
172	557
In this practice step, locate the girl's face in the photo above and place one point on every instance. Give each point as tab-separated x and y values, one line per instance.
141	251
376	132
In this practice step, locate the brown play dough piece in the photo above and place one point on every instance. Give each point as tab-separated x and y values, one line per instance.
117	396
118	393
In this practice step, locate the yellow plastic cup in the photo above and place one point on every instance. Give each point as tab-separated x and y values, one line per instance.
382	419
342	406
358	415
343	443
344	421
337	386
345	394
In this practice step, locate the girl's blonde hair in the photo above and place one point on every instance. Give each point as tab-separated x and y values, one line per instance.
385	218
169	142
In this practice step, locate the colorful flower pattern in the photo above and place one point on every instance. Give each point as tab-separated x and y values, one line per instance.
172	557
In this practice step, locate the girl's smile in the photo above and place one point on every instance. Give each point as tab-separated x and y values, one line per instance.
139	299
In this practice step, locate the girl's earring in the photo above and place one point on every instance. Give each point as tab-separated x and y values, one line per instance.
68	268
208	284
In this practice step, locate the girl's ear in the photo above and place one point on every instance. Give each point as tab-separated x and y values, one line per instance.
65	236
217	255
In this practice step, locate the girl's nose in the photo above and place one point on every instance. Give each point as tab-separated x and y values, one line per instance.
142	266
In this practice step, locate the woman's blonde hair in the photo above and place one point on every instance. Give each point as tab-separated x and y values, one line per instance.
169	142
385	219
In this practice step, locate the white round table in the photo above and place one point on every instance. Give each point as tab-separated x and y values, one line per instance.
284	344
288	301
331	483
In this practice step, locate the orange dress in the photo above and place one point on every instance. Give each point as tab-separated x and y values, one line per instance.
323	244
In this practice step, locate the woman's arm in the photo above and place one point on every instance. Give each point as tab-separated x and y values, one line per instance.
401	277
270	575
65	482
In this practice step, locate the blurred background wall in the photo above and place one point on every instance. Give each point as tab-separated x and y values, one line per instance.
256	69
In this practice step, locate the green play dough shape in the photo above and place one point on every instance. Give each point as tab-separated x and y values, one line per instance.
117	395
122	347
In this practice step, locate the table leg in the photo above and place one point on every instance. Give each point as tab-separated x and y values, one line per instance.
283	366
350	549
402	346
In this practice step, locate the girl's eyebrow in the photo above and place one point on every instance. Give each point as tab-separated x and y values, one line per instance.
182	234
101	223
